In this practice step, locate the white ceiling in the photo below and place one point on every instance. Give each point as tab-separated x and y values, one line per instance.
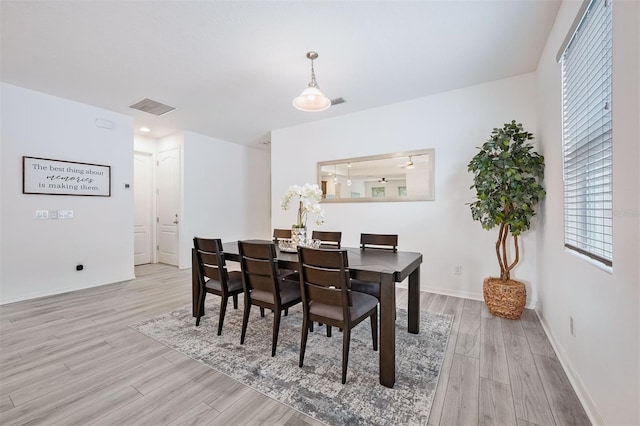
232	68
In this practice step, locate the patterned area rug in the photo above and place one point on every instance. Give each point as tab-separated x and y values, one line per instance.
315	389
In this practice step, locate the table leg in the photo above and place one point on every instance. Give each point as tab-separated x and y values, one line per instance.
387	330
414	301
195	285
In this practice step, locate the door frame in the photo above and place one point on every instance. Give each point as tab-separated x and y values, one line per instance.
154	203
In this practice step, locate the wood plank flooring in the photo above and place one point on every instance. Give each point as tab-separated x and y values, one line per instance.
71	359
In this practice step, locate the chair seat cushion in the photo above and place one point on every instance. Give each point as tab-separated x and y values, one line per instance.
367	287
262	295
287	274
234	283
361	303
289	291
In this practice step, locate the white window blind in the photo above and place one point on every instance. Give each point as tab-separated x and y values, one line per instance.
586	98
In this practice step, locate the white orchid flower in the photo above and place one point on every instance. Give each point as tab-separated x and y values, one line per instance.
309	197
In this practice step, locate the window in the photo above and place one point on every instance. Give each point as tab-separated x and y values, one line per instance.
587	162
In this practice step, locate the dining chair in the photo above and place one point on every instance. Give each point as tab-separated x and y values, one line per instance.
329	239
379	241
263	287
279	234
214	277
387	242
326	298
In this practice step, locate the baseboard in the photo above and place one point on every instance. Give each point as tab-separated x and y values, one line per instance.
57	291
461	293
575	380
450	292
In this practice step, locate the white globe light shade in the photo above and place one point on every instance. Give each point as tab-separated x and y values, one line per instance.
312	99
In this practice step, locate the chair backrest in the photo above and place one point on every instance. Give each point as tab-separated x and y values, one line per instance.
379	241
330	239
324	277
259	268
211	263
281	233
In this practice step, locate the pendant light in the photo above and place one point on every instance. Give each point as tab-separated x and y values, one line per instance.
312	99
410	164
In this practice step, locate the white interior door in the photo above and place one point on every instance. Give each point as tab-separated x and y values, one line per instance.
142	208
168	177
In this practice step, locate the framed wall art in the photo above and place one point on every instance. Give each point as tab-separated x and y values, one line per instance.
56	177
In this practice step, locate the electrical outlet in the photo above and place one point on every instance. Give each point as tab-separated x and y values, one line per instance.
457	270
42	214
571	327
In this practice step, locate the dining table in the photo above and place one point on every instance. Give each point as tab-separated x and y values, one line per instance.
383	266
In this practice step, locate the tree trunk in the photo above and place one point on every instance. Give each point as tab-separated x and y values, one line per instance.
498	243
517	258
505	267
503	247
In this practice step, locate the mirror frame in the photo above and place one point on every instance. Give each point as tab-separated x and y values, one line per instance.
405	154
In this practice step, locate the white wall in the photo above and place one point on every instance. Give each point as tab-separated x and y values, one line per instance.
39	257
602	359
226	192
454	123
144	144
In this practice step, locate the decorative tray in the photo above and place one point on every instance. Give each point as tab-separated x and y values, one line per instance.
287	245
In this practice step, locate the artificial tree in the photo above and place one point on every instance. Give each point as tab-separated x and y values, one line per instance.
507	176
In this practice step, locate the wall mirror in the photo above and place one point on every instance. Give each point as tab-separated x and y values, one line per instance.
403	176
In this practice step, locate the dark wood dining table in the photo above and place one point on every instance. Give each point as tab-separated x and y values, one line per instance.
385	267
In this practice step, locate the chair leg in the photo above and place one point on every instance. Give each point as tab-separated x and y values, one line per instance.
261	312
200	312
328	331
245	319
235	301
311	326
223	310
346	339
303	340
276	328
286	312
374	330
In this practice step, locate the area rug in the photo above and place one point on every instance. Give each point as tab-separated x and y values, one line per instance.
315	389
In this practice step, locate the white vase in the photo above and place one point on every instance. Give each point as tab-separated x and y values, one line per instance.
298	236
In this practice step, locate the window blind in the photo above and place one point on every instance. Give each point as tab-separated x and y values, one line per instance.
587	141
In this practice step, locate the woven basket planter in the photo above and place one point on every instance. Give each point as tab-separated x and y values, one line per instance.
505	299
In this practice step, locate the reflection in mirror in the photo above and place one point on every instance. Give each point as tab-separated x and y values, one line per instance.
405	176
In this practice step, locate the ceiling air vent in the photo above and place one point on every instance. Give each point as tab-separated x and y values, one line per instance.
337	101
152	107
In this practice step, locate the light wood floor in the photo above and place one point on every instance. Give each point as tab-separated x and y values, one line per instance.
72	359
